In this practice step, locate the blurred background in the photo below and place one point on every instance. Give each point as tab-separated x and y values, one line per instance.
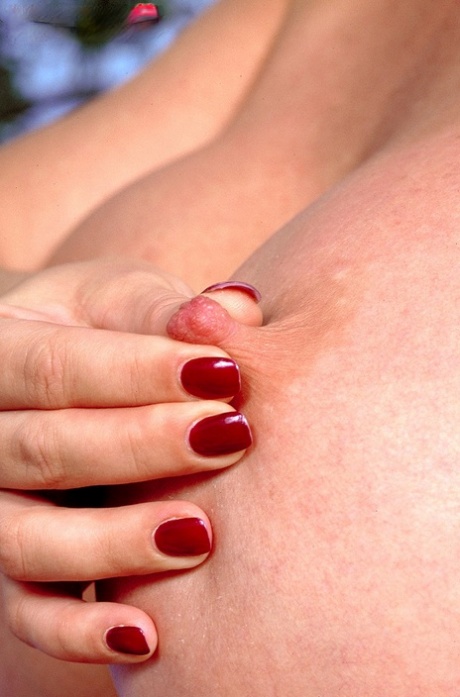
56	54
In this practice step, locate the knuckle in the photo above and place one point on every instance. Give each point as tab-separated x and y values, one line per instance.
116	556
135	375
111	555
13	545
158	312
152	444
63	639
16	612
44	370
136	439
37	447
138	462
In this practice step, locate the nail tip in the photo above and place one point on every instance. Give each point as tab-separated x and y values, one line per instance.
183	537
211	378
241	286
127	640
221	434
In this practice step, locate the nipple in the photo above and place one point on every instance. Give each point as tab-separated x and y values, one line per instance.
201	321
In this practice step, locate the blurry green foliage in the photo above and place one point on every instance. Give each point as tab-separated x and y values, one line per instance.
97	23
11	102
101	20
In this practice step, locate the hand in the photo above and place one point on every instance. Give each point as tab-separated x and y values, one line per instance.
86	401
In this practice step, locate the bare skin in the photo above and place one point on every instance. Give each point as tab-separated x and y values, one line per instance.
92	393
328	97
384	108
337	565
52	179
347	584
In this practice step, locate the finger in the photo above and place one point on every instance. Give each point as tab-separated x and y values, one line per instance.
239	299
44	543
111	294
202	320
152	315
105	293
47	366
75	630
84	447
150	299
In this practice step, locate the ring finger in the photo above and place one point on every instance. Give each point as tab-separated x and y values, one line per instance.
40	542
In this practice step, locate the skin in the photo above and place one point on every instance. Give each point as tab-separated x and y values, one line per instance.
178	104
68	343
348	582
337	567
31	164
394	113
271	162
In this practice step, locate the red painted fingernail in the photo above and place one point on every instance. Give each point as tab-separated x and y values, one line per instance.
143	12
221	434
127	640
235	285
211	378
183	537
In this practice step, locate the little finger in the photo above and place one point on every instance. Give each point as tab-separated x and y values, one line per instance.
71	629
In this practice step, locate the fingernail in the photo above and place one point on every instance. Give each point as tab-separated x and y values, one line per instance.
211	378
221	434
127	640
183	537
235	285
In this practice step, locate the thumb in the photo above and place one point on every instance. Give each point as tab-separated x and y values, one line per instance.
231	301
112	294
240	299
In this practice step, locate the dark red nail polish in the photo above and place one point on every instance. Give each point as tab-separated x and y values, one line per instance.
235	285
183	537
211	378
221	434
128	640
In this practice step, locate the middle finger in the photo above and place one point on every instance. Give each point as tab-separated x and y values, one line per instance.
71	448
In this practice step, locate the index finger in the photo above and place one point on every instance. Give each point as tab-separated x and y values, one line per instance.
48	366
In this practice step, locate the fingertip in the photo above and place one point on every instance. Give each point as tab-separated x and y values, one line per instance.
214	377
221	434
78	631
188	537
129	642
240	300
126	634
239	286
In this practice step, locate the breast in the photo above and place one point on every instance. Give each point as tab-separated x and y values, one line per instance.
336	560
